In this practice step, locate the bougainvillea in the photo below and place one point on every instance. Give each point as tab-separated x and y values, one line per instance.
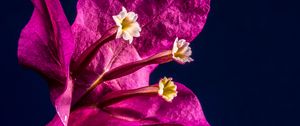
98	68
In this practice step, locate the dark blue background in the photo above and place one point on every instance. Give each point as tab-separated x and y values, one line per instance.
246	68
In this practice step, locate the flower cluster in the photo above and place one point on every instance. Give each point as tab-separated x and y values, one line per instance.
128	27
98	68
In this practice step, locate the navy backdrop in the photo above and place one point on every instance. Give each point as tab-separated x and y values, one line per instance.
245	73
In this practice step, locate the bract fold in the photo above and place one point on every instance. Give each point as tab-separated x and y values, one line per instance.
46	45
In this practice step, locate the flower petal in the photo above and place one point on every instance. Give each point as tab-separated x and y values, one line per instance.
185	109
46	45
92	21
46	42
161	22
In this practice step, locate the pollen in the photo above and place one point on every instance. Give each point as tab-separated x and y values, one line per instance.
167	89
181	51
127	24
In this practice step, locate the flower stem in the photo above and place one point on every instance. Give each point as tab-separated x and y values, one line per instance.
129	68
88	55
120	95
123	70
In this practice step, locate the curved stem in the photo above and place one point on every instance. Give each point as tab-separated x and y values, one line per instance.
88	55
129	68
118	96
123	70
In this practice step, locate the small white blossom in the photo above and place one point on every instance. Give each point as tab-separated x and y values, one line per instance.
128	27
181	51
167	89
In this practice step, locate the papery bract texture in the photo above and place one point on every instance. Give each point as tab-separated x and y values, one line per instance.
161	21
46	45
185	110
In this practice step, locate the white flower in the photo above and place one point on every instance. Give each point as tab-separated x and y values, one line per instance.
128	27
181	51
167	89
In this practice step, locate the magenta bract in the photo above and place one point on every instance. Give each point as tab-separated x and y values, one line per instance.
46	45
139	110
49	45
161	21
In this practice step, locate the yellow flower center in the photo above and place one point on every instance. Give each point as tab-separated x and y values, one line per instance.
128	27
126	23
180	53
167	89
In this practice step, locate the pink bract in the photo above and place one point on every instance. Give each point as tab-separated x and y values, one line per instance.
49	45
139	110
